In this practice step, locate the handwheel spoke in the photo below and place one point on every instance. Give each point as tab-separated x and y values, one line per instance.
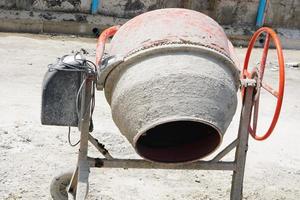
264	57
270	89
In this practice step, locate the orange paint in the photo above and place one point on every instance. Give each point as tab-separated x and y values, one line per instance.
279	94
107	33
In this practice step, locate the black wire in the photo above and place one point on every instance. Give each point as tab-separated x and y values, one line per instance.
89	63
77	98
69	139
89	66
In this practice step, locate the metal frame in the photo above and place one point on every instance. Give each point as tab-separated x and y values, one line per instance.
78	187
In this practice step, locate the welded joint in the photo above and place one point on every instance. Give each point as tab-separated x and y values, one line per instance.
100	147
98	163
95	162
225	151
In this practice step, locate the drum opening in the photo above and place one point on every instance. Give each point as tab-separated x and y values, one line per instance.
178	141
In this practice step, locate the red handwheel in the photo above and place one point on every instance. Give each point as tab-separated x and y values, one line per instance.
270	34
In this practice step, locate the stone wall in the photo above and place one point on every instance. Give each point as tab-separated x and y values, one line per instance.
283	14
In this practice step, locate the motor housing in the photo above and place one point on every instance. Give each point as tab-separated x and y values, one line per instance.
59	94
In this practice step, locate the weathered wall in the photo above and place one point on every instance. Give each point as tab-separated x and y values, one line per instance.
55	5
285	14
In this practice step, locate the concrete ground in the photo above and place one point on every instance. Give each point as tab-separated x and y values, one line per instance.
32	154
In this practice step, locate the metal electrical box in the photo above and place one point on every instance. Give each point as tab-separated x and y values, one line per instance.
60	87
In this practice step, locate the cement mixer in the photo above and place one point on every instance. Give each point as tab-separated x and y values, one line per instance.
171	79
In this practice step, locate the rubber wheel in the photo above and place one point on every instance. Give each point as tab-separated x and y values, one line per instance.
59	185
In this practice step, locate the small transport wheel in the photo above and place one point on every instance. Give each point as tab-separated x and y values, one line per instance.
59	186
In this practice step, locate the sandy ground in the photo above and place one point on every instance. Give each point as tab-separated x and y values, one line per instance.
31	154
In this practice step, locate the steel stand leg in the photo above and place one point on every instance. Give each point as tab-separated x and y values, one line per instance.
73	184
242	146
79	182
